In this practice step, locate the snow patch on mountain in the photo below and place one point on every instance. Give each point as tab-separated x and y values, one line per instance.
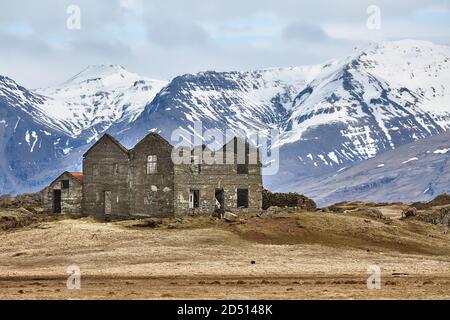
441	151
385	179
99	97
381	97
330	115
410	160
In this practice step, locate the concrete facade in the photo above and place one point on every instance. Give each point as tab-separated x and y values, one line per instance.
145	182
106	186
151	193
64	194
219	177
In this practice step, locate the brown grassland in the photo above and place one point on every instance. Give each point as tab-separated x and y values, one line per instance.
284	255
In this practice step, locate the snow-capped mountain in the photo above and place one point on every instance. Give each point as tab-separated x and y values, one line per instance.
99	97
413	172
246	101
46	131
377	99
32	144
330	116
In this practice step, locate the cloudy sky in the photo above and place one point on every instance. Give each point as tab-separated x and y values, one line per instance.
161	39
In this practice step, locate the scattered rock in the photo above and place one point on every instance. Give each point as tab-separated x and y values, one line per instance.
441	216
337	208
19	254
230	217
149	223
409	212
368	212
287	200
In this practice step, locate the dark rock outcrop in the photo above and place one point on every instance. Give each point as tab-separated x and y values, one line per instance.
441	216
30	200
291	199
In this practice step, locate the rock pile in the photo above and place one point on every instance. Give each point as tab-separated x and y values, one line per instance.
290	200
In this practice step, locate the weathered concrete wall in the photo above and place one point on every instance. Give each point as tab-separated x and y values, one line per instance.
112	174
71	197
152	193
137	192
218	176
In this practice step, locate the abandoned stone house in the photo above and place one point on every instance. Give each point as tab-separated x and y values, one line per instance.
145	181
64	194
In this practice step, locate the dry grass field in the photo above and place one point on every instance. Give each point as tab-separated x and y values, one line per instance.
298	255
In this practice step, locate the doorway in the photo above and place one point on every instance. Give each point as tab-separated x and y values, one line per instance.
108	202
56	201
194	199
220	203
242	198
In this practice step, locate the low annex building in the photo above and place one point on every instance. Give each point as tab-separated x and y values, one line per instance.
145	181
64	194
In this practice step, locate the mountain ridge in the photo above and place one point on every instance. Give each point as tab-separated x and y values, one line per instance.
330	115
413	172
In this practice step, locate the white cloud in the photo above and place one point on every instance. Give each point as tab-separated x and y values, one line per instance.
162	39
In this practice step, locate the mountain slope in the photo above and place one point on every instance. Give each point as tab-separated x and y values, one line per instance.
46	131
413	172
246	101
32	145
99	97
381	98
330	116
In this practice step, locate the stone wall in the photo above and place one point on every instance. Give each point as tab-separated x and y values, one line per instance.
216	176
106	168
152	193
109	167
71	197
292	199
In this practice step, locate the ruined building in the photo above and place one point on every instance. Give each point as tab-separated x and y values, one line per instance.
64	194
145	181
